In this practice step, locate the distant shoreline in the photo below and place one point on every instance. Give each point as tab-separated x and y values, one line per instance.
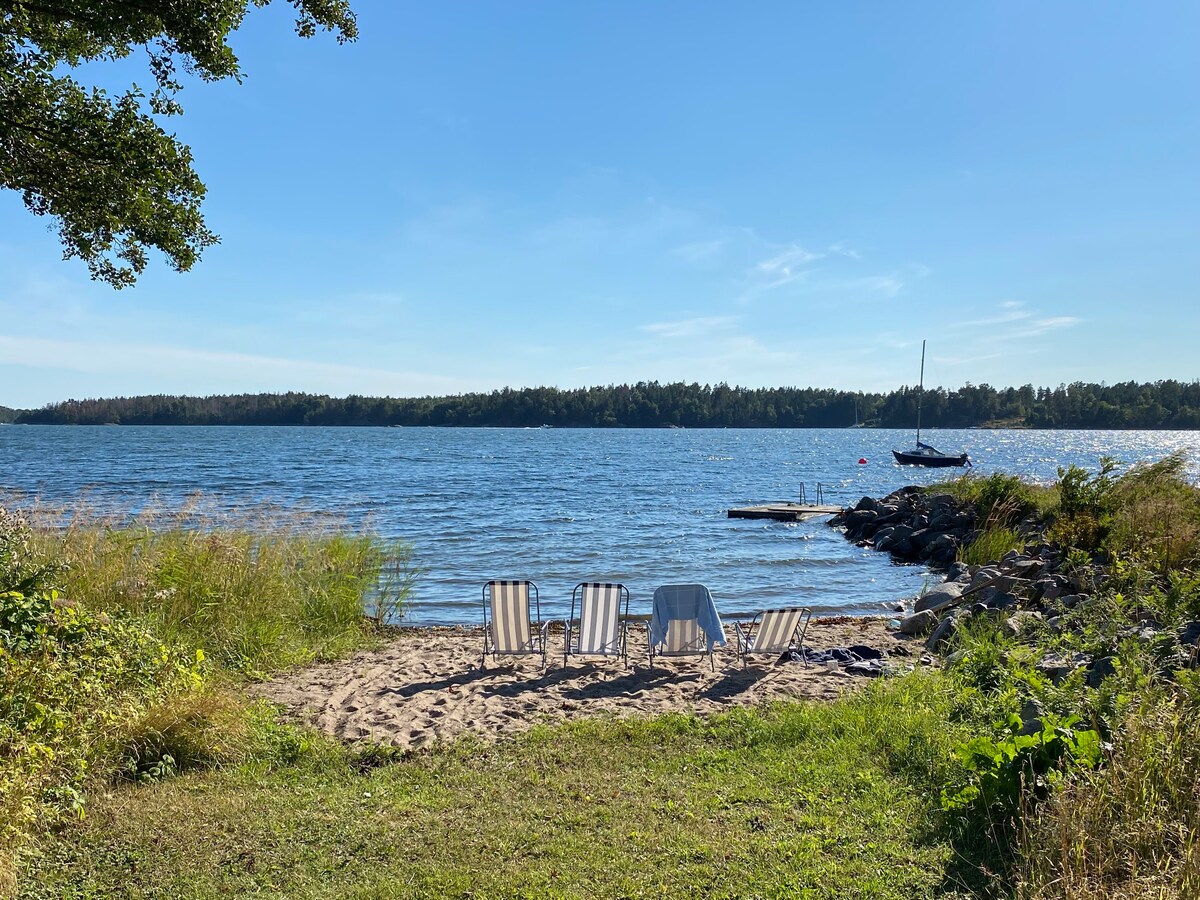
1161	405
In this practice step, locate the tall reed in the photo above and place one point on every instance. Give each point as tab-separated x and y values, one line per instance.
256	592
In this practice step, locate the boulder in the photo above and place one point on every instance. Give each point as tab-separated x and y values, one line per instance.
959	571
918	623
1057	667
1000	600
984	575
1189	634
1019	621
1031	717
1099	669
940	597
882	540
942	634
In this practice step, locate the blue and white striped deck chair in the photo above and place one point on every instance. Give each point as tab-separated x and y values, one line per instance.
774	631
685	622
603	621
508	627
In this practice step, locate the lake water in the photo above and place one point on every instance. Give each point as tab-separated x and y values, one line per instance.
558	506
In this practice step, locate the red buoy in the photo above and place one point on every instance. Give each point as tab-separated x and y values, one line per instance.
862	462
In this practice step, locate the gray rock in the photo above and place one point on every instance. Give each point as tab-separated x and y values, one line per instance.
867	503
940	597
999	599
1099	669
942	634
1019	621
1189	634
1027	568
985	574
958	571
882	538
1058	667
1031	717
919	623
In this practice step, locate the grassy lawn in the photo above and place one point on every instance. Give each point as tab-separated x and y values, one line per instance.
801	800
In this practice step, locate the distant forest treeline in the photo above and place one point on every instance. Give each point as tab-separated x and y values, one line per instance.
1161	404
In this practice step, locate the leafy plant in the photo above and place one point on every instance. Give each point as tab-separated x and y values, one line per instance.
1011	773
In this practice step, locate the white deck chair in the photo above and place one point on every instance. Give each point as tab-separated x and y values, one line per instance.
679	608
774	631
508	627
603	626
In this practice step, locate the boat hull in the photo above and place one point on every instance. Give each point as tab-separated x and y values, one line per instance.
930	461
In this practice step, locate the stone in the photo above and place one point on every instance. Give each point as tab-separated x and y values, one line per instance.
918	623
942	634
1031	717
1099	669
1000	600
958	571
867	503
940	597
882	538
1027	568
1189	634
984	575
1019	621
1057	667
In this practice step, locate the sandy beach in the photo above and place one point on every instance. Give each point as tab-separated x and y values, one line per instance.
426	685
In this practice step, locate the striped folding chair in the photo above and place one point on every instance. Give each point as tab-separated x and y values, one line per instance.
774	631
684	622
602	626
508	627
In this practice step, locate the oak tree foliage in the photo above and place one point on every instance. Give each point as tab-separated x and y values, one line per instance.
114	182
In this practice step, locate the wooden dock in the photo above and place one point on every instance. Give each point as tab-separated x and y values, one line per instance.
783	512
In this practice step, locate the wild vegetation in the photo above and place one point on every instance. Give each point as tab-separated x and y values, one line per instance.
1162	404
122	648
1007	772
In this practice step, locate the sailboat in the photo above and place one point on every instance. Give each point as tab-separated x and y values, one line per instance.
923	454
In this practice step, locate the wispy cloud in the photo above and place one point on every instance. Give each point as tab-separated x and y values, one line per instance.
213	370
690	328
887	285
784	267
699	251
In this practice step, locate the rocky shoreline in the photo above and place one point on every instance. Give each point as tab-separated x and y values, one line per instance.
1030	588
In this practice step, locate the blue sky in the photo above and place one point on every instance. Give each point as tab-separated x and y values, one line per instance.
763	193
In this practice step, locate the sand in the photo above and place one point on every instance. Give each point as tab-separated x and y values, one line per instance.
426	686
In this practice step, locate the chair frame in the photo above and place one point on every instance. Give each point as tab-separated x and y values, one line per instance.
538	630
573	626
749	631
706	650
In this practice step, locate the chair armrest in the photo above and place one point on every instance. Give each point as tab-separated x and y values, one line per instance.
742	635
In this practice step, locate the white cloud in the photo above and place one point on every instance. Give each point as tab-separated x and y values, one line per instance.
700	250
784	267
690	328
209	371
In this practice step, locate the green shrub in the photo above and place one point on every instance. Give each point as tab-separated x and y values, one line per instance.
71	684
1085	507
1156	513
1009	774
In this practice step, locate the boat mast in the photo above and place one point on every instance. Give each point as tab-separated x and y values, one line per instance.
920	391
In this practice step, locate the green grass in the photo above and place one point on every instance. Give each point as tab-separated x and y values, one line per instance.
801	800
